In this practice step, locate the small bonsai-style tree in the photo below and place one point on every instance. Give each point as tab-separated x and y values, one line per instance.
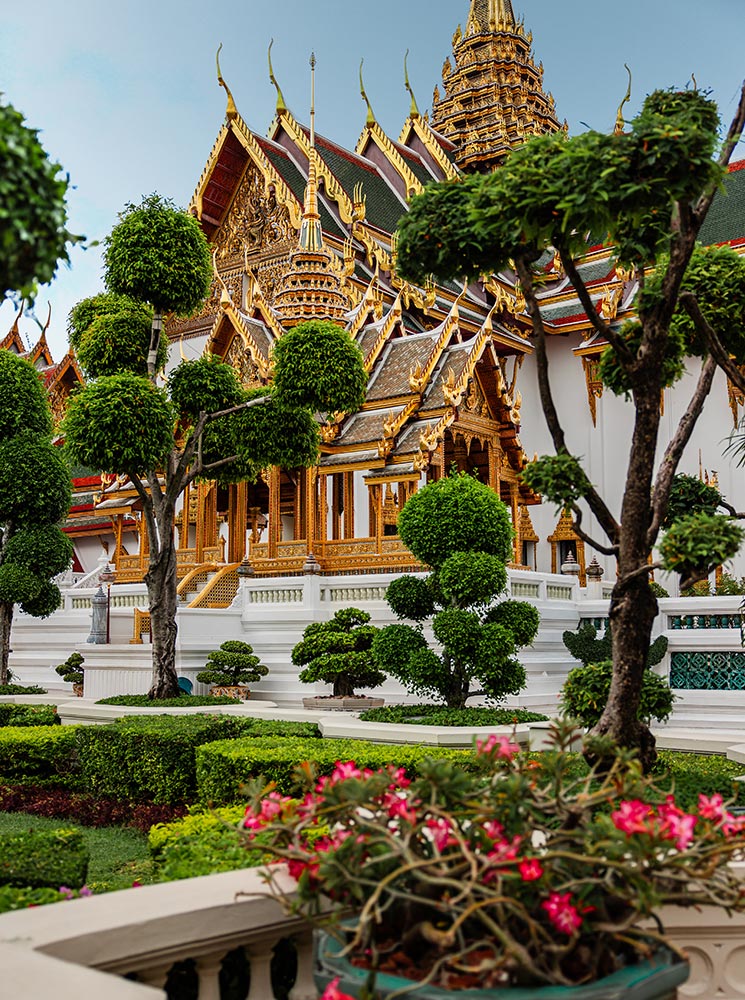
462	530
585	646
72	669
339	652
586	690
232	665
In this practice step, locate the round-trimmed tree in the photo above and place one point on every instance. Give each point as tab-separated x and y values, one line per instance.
338	652
462	530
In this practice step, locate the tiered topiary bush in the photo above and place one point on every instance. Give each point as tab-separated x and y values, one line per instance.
233	665
338	652
40	755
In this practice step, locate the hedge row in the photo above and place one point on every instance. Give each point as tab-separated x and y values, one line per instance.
39	755
223	766
202	843
440	715
28	715
44	858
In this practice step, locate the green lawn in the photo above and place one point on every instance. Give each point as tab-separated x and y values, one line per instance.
119	856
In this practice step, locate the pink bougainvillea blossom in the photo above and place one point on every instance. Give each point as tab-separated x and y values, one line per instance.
633	817
332	992
530	869
562	913
502	744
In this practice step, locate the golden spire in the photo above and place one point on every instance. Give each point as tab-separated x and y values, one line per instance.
281	107
414	111
488	15
618	130
311	235
371	119
231	111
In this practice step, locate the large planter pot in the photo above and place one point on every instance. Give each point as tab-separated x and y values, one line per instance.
656	979
230	691
330	703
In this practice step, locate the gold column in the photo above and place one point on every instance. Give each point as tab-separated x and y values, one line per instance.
237	522
299	514
514	504
183	534
337	504
274	530
495	463
311	507
201	525
348	494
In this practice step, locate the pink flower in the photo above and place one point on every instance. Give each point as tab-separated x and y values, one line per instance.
271	807
332	992
711	807
633	817
66	891
441	830
398	777
504	748
530	869
563	915
493	829
85	891
732	825
399	807
676	825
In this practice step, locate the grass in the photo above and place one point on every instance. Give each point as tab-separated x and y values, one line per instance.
119	856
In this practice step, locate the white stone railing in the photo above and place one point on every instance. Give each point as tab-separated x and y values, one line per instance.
142	933
81	948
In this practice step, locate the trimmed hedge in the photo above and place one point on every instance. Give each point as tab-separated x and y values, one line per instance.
203	843
182	701
21	689
439	715
28	715
222	767
87	810
39	858
40	755
152	759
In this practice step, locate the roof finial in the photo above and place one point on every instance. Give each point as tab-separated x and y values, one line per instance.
370	113
231	111
618	130
414	111
313	99
281	106
311	235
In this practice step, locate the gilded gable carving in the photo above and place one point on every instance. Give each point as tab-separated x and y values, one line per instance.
255	222
243	364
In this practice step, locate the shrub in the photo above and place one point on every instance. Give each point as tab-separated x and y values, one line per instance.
38	858
438	715
183	701
20	898
691	775
72	669
585	646
28	715
338	652
21	689
222	767
87	810
232	664
586	691
202	843
39	755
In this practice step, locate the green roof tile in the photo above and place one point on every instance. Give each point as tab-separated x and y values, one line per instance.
726	218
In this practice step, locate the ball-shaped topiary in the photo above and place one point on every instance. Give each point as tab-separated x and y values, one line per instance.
338	652
689	494
160	255
84	313
119	342
411	597
119	423
46	602
455	514
33	211
43	549
586	691
342	384
232	665
468	578
206	385
519	617
34	482
697	543
18	585
23	401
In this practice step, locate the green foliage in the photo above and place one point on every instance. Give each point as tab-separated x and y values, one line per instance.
585	646
21	689
82	315
28	715
20	898
411	597
618	380
33	212
159	255
690	775
202	843
34	482
518	617
206	385
338	652
40	858
559	478
44	549
318	366
233	663
436	715
39	755
688	494
183	701
224	766
119	423
23	402
730	586
17	584
471	578
699	542
586	691
119	342
455	514
657	589
72	669
45	603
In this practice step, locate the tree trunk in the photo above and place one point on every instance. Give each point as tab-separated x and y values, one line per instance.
343	687
6	622
162	581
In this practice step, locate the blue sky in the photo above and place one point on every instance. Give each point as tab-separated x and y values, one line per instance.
126	98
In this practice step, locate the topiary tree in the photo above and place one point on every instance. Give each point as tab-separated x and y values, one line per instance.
232	665
72	669
586	690
462	530
649	189
33	212
338	652
203	423
34	497
585	646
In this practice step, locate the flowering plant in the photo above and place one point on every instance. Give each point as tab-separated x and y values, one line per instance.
509	869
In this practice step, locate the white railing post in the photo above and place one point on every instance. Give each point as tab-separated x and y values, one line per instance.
260	956
304	988
208	969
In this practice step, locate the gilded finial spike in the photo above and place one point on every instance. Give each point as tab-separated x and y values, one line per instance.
313	99
370	113
281	107
414	112
618	130
231	111
49	319
693	79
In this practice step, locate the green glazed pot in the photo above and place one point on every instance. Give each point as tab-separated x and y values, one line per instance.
656	979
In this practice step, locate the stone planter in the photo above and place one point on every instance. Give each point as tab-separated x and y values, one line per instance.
231	691
329	703
655	979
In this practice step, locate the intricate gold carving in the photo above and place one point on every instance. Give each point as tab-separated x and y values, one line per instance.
594	384
736	398
243	364
256	219
610	302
